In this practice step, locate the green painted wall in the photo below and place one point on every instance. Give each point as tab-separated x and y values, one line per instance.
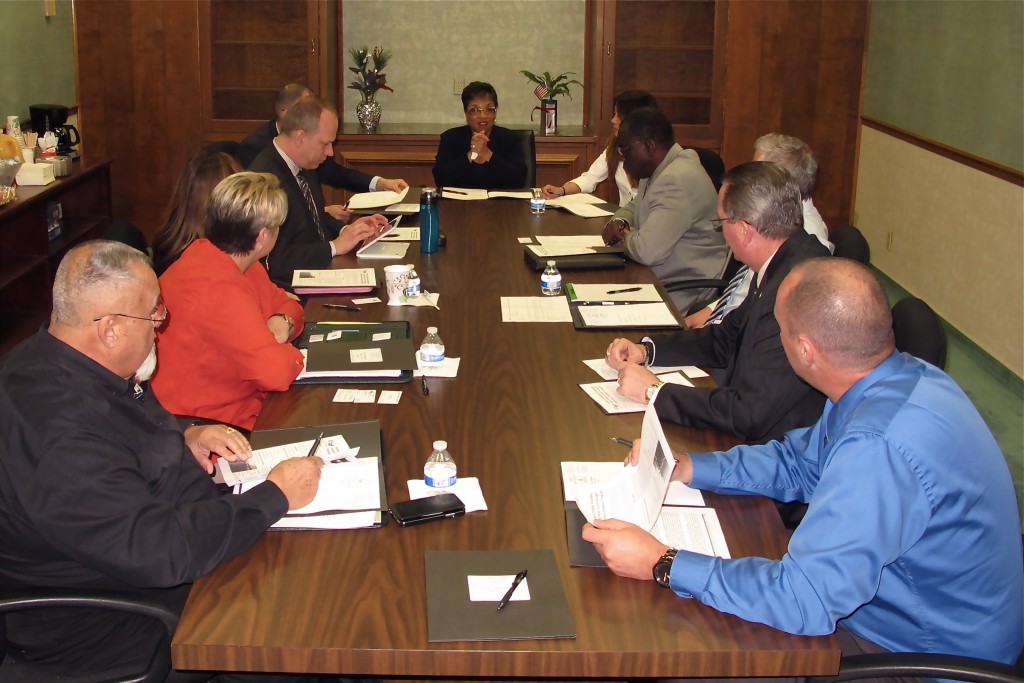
37	64
952	71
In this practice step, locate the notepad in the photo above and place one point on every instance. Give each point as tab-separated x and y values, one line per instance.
342	281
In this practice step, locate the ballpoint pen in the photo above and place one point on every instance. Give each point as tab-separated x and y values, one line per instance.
426	391
623	291
622	442
456	192
343	307
512	589
315	446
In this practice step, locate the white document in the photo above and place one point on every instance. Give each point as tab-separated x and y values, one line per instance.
585	210
341	520
258	466
636	494
619	292
571	241
463	193
466	488
628	315
535	309
601	367
581	198
607	396
693	371
449	368
577	475
307	374
402	235
371	200
403	208
344	277
389	397
493	588
546	252
349	485
695	529
509	194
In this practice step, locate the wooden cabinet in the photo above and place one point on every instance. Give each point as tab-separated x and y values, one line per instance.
29	258
248	50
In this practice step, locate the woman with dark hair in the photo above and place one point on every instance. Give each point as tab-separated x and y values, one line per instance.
480	154
186	212
609	163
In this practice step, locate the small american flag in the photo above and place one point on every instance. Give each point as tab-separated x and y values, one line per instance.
540	91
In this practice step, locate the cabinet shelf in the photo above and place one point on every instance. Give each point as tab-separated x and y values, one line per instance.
75	229
13	268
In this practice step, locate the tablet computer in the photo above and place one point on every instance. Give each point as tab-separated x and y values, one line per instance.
376	248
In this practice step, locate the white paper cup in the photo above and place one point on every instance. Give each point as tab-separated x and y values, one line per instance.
29	154
397	279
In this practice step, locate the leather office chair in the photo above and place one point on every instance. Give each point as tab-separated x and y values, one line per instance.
718	284
912	664
713	165
918	331
526	139
14	671
850	243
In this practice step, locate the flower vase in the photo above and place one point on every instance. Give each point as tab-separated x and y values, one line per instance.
549	116
368	115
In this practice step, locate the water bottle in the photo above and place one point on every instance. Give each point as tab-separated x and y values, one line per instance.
439	470
537	202
432	349
551	280
429	228
412	290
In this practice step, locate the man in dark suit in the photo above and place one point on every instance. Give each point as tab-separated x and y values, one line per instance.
759	397
330	172
309	237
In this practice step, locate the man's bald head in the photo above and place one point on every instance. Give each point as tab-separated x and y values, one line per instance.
839	305
91	277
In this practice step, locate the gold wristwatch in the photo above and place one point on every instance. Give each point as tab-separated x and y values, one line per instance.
663	568
649	394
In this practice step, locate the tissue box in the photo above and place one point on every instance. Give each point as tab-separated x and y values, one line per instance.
35	174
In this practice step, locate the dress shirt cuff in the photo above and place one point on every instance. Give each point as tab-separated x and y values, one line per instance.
373	183
648	343
690	573
330	243
707	471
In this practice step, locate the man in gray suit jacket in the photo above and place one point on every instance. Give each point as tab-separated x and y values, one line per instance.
668	225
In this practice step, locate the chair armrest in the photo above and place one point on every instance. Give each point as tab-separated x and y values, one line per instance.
122	601
911	664
708	283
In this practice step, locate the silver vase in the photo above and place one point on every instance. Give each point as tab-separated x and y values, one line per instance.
368	115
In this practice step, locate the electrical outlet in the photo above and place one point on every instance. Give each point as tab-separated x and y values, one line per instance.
458	85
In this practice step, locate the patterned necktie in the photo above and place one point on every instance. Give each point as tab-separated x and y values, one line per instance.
310	204
722	306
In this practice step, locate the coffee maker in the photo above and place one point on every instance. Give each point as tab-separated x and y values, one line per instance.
54	117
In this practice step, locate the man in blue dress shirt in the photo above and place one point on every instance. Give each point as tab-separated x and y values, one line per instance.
912	539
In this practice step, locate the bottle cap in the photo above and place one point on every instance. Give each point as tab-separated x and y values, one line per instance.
551	263
431	330
440	445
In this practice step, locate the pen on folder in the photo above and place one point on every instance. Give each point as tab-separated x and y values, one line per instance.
623	291
315	446
342	307
512	589
622	442
456	192
426	391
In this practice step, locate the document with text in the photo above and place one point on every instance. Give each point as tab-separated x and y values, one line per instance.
607	396
372	200
535	309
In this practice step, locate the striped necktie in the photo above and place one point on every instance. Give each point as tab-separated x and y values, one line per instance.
310	203
722	306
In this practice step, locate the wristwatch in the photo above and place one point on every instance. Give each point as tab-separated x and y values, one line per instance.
649	394
287	319
663	567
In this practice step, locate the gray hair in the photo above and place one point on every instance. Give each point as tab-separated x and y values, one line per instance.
88	267
240	206
305	115
840	305
765	195
289	95
794	155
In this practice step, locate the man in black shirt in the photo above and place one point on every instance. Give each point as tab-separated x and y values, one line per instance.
99	486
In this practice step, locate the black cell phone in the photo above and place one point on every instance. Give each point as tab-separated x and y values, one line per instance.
441	506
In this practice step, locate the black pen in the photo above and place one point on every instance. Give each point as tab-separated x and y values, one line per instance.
512	589
623	291
343	307
316	445
426	391
622	442
464	194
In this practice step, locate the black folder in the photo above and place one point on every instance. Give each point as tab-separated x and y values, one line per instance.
605	257
398	353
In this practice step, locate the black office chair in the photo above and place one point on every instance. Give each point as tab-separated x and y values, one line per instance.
850	243
919	332
15	671
526	139
912	664
718	284
713	165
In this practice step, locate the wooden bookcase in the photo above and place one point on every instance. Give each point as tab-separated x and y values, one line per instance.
29	259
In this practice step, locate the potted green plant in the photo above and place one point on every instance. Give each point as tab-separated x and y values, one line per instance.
548	88
369	79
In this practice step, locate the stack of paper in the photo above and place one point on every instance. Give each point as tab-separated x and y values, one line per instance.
344	281
372	200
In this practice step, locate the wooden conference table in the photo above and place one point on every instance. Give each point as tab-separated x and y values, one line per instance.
354	601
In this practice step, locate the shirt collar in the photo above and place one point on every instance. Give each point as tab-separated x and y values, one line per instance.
292	166
853	397
75	362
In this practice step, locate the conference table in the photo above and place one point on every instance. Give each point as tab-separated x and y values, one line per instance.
354	601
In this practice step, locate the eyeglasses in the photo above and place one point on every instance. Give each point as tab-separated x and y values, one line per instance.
719	223
477	111
158	317
621	149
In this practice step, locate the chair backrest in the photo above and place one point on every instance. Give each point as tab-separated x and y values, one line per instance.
526	139
713	165
918	331
850	243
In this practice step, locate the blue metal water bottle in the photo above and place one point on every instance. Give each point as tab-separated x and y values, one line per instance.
429	229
